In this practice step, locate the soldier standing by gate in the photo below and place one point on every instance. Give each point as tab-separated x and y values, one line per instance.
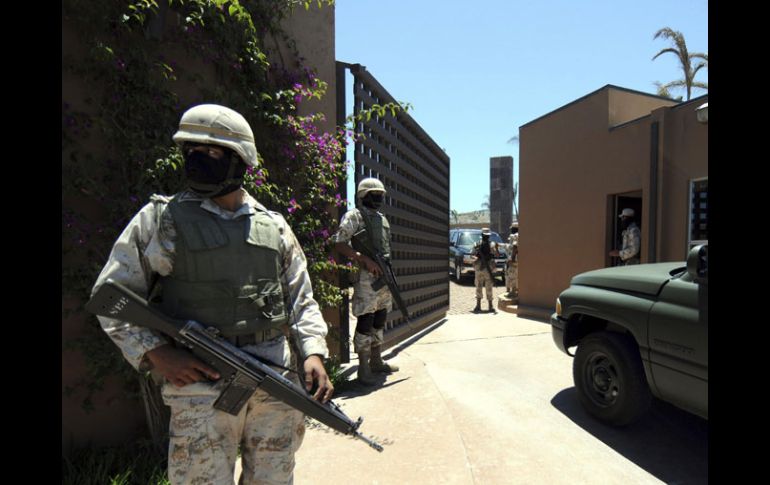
483	266
370	306
212	253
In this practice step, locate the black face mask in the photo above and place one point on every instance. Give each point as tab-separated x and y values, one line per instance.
373	201
211	177
625	223
485	248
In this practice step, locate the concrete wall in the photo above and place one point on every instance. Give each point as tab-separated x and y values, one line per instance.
501	194
684	157
313	31
575	159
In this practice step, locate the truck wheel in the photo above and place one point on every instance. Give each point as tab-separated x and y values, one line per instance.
609	378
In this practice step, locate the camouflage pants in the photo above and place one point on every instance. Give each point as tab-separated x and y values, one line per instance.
485	280
365	299
512	277
204	441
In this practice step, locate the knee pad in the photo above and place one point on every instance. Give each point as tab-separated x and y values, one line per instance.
365	323
379	319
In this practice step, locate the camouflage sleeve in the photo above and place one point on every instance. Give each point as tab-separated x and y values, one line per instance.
305	321
136	256
349	225
631	244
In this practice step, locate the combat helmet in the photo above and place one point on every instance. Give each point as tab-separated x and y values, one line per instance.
212	124
369	185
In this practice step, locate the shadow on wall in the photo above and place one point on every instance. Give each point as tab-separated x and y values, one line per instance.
668	443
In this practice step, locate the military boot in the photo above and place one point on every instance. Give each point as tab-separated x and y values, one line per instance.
478	306
376	362
491	308
362	344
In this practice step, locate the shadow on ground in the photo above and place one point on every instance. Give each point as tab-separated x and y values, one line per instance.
668	443
469	280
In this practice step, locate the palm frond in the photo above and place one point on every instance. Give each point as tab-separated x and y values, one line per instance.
666	32
671	50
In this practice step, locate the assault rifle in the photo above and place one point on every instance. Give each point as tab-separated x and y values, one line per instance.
363	244
486	260
241	372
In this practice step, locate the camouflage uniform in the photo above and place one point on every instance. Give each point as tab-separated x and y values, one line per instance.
483	278
370	306
632	240
365	299
204	441
512	265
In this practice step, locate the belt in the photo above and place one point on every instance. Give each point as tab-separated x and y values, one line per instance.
255	338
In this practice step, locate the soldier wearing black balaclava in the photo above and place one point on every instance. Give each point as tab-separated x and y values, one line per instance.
632	239
483	266
370	306
214	254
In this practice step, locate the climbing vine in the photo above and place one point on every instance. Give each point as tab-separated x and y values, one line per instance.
138	65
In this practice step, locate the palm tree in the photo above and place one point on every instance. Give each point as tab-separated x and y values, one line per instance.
455	215
685	59
663	91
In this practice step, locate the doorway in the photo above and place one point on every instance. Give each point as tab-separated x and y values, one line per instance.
616	203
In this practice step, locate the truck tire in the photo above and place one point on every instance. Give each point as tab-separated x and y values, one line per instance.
610	379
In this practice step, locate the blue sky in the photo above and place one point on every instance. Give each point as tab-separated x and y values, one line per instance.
476	71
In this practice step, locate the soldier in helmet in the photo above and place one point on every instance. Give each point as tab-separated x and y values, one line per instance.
512	263
212	253
370	306
485	251
632	239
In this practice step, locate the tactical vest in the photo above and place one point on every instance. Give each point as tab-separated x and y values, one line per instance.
226	272
378	228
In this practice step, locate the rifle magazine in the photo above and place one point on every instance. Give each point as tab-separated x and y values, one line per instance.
236	394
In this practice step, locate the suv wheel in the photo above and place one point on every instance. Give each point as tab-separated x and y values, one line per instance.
458	271
609	378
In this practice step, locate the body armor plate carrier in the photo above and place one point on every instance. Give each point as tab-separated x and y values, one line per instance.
226	272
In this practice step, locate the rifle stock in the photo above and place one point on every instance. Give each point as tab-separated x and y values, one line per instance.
241	373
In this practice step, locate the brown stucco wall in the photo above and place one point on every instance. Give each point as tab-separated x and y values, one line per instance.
684	157
115	419
573	160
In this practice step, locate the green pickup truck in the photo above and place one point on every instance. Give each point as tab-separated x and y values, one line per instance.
640	331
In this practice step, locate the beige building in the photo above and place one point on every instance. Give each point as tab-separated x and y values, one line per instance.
586	161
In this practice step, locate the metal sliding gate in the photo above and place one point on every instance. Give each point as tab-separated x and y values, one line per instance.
415	172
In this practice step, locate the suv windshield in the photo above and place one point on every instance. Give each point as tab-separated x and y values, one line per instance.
471	238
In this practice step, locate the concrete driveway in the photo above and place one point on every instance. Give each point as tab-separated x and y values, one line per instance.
488	399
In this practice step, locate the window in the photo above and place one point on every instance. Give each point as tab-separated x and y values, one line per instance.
471	238
699	214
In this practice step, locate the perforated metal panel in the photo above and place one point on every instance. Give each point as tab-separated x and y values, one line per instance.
415	172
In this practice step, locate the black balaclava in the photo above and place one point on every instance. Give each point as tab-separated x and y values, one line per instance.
211	177
625	222
373	200
485	245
